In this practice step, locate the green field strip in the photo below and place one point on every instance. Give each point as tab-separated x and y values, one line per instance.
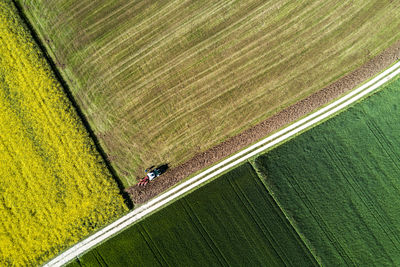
99	258
365	199
155	249
90	257
203	234
180	248
384	142
152	250
338	182
207	238
322	223
255	220
380	139
283	227
217	224
252	231
266	232
138	253
322	229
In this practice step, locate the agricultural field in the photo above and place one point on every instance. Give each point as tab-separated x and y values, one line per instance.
339	183
326	197
55	188
232	221
162	80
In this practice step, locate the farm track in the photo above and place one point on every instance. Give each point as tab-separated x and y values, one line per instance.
200	161
272	140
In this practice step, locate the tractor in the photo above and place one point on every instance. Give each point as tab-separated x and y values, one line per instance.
152	173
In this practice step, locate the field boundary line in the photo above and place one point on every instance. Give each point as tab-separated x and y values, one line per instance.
201	178
283	215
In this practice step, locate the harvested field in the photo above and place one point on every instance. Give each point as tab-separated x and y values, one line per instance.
280	119
338	183
161	81
231	221
55	188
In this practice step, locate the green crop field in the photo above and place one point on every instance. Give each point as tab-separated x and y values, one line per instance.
339	183
162	80
231	221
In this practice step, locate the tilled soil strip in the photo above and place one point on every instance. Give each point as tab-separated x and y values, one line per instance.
200	161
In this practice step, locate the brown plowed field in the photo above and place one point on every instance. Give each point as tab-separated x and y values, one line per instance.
253	134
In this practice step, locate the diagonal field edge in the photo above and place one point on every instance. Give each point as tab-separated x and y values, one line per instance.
219	168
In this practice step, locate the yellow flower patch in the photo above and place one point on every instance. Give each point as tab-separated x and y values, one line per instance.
54	187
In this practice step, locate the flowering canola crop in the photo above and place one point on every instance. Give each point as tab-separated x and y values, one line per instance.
54	187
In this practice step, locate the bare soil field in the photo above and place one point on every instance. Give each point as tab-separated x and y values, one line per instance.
275	122
164	81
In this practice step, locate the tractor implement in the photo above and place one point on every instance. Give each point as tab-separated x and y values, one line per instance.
151	174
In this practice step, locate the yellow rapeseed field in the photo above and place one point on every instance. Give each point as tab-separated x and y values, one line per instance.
54	186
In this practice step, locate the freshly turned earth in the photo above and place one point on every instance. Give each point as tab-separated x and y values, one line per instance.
202	160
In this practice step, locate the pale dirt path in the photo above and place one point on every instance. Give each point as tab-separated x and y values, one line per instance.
232	161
